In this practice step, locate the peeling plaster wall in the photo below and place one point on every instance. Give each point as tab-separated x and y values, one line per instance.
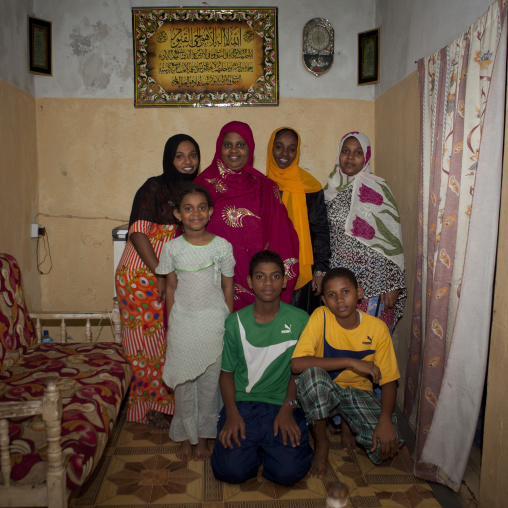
93	47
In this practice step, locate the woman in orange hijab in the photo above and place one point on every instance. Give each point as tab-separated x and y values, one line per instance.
304	199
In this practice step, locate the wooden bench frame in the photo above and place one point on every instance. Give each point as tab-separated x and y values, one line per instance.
54	492
113	316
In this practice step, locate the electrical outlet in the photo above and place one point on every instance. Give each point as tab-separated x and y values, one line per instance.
37	230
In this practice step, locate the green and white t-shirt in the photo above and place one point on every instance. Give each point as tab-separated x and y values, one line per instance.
260	354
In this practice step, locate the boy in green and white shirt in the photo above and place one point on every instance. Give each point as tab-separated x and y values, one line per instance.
260	422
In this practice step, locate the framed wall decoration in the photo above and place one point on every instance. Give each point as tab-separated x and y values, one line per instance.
368	57
205	56
39	46
318	44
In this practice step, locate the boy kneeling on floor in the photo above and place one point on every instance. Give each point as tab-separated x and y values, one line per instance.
260	422
341	352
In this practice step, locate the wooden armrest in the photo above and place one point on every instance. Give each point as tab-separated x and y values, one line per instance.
50	407
20	409
112	316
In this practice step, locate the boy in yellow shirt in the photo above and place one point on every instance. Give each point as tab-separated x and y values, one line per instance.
341	352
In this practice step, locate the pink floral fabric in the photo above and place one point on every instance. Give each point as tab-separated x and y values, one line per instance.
362	229
374	217
17	332
92	378
368	195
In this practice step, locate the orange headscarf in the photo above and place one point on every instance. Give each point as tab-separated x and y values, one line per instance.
295	182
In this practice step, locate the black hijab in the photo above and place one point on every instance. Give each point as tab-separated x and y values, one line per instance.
172	176
154	200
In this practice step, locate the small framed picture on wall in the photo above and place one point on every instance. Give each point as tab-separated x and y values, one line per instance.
368	57
39	46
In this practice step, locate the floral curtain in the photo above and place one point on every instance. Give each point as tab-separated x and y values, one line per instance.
462	120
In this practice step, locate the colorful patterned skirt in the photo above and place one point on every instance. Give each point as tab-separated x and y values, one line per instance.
143	336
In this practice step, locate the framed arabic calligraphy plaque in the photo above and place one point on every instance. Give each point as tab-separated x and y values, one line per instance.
206	57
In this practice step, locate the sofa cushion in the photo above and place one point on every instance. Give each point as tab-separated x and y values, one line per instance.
17	332
93	380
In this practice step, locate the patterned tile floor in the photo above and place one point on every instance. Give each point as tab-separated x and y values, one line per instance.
139	468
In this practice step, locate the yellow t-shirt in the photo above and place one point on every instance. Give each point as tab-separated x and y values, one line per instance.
370	341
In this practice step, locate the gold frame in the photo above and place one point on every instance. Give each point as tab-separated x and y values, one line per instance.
205	56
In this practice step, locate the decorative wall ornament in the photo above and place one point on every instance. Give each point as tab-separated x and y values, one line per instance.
318	44
368	57
205	57
39	46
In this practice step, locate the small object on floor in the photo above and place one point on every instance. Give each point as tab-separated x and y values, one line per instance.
158	420
334	424
337	495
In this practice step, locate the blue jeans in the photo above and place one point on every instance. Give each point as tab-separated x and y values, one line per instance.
281	463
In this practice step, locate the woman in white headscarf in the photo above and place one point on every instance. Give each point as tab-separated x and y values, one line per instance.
365	233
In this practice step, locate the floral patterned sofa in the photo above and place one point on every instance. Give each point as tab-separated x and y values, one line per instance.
65	397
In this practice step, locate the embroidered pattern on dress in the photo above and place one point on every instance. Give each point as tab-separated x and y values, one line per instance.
218	185
233	216
289	263
241	289
223	169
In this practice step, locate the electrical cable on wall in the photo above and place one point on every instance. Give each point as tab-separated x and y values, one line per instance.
45	242
69	216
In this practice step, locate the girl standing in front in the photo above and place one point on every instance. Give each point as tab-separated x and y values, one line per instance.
151	225
198	268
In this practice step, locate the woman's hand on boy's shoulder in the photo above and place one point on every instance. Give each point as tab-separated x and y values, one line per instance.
286	424
234	425
317	282
390	298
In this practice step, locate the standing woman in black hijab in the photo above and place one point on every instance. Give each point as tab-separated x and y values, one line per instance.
151	225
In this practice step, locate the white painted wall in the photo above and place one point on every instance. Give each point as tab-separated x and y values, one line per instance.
411	30
13	43
93	57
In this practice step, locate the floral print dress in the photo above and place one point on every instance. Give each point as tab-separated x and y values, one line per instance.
375	273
